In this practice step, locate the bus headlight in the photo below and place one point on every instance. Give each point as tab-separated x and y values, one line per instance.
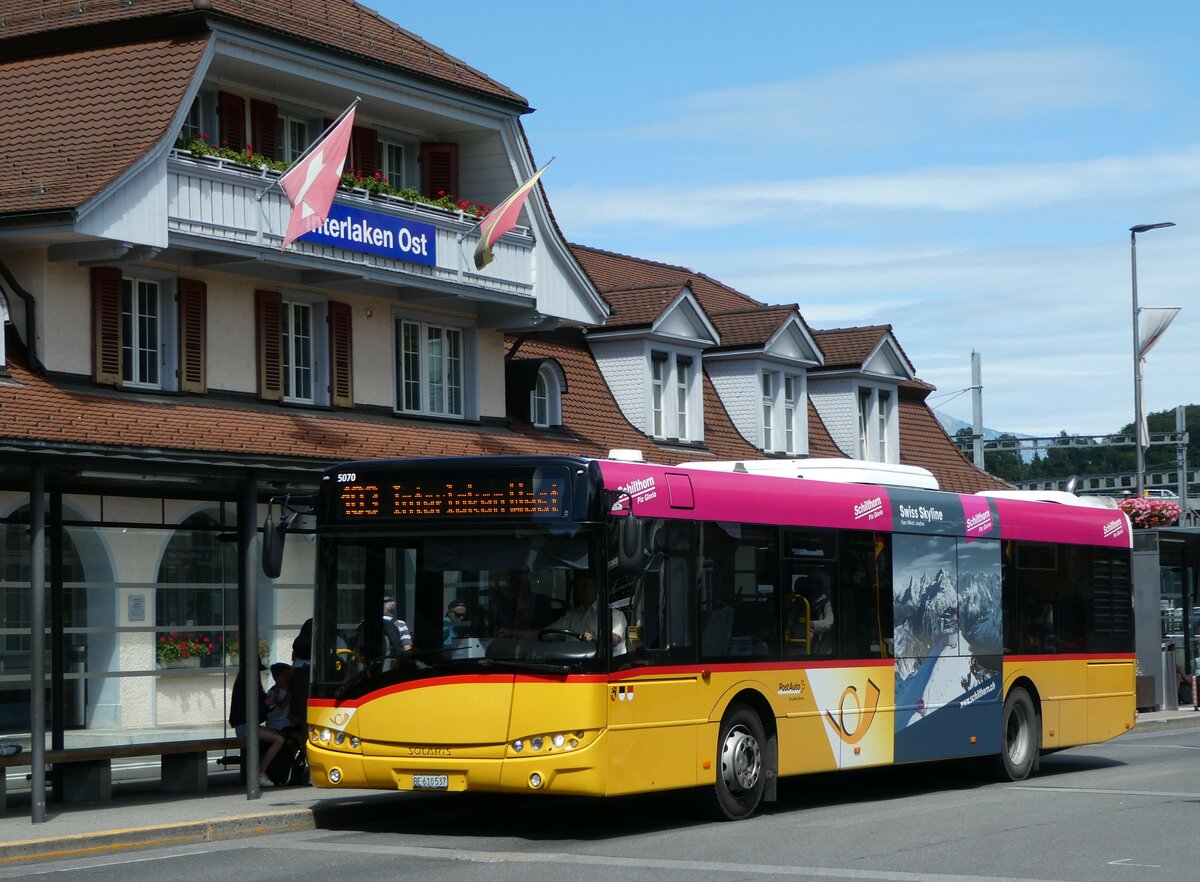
558	740
326	735
335	776
339	738
536	742
518	745
535	780
354	742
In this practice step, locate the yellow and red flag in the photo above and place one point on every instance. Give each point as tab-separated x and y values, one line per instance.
501	219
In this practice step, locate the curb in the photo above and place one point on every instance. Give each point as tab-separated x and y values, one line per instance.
84	844
1183	721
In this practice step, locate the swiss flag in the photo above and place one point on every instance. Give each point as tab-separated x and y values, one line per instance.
312	181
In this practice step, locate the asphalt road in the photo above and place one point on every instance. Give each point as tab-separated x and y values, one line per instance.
1126	810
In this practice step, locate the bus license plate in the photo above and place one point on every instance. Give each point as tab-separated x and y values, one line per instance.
431	782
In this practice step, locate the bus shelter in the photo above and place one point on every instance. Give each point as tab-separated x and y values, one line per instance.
1165	565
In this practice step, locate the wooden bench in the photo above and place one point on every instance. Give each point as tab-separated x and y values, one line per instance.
87	771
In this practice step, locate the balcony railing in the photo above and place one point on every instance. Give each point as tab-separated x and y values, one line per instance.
215	199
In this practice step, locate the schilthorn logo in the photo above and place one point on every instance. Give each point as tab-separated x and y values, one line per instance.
640	488
1114	528
870	509
979	523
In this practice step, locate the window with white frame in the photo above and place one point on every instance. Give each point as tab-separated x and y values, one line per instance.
430	368
658	381
683	386
781	394
545	405
141	332
864	421
674	402
790	386
293	138
768	411
883	408
194	123
298	351
3	322
393	164
876	424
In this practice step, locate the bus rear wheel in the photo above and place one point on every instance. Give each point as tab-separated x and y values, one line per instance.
1019	736
741	775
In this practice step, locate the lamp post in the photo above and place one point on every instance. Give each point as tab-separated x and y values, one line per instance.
1140	474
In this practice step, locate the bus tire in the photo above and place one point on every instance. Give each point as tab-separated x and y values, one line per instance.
741	773
1020	732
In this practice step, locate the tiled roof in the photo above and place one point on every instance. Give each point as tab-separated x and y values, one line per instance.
849	347
923	442
636	307
342	25
750	327
615	272
81	118
590	413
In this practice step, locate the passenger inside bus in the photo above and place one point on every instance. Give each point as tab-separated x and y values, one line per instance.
810	620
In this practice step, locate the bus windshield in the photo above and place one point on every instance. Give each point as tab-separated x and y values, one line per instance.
403	607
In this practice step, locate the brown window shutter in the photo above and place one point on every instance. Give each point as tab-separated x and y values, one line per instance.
193	319
231	116
264	128
439	169
364	150
268	313
106	324
341	374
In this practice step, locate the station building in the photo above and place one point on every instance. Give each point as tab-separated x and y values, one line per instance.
166	368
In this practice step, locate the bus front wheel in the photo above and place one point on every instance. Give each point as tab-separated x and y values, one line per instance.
1019	736
741	775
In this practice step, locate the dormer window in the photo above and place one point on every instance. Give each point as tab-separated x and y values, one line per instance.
673	396
546	398
768	411
683	381
876	424
781	394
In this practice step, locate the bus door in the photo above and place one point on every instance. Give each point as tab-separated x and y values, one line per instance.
652	712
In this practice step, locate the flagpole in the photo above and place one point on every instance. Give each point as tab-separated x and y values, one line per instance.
309	149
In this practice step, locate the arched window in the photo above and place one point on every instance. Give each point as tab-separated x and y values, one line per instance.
197	580
545	399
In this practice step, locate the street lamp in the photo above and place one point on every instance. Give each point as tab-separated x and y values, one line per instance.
1140	475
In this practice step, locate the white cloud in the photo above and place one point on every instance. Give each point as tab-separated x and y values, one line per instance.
1009	187
902	100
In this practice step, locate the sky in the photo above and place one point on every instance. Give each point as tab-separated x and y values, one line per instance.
964	172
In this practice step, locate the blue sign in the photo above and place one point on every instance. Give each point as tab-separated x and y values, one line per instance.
374	233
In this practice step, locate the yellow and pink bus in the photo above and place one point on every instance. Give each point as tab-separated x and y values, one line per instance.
603	627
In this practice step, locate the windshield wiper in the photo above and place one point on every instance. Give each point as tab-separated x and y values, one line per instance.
541	667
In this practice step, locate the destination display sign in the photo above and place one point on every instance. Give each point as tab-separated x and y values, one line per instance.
380	497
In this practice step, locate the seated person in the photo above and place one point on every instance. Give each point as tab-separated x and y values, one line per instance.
817	607
273	738
395	631
583	617
452	623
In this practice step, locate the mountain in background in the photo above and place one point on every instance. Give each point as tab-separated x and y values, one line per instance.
953	424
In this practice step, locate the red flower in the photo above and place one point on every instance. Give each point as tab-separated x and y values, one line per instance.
441	192
379	176
249	148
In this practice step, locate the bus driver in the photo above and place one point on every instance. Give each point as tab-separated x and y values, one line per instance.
582	618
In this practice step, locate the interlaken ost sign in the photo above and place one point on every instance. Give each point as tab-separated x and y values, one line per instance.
374	233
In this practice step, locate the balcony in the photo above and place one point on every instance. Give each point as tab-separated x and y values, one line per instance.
213	207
